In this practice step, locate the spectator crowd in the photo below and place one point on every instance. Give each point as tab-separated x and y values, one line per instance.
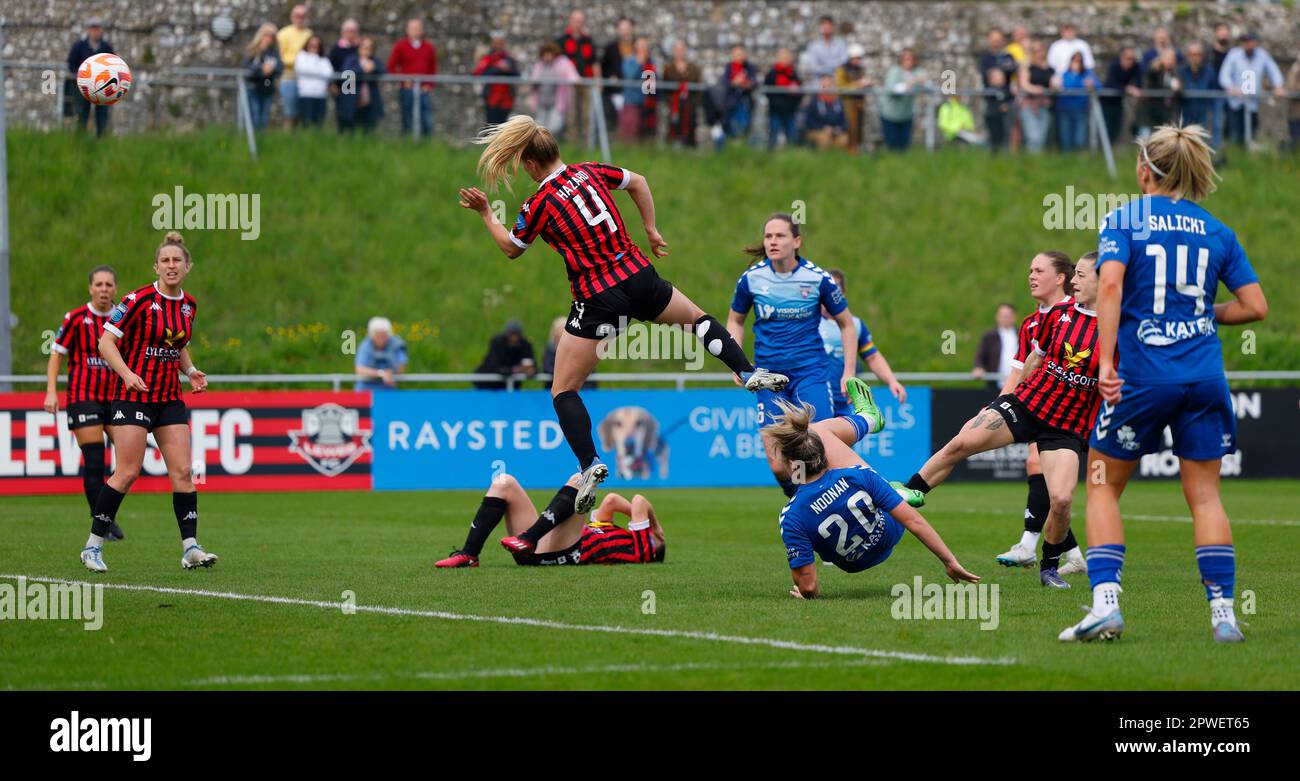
1034	91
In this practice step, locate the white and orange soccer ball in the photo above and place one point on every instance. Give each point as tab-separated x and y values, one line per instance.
103	79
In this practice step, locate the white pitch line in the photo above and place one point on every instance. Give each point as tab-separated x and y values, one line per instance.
1133	516
683	634
520	672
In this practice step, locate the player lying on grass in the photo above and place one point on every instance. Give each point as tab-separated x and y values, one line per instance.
843	511
558	535
1054	406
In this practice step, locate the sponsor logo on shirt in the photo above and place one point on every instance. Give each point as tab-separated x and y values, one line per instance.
1159	333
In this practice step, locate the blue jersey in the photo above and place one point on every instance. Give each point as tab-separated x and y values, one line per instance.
843	516
833	344
1176	253
787	313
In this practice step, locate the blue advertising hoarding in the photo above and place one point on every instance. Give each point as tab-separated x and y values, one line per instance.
649	438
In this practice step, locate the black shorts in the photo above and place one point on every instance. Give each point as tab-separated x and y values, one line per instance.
1025	427
88	413
642	296
570	556
149	415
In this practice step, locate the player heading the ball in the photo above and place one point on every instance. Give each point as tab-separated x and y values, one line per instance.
610	278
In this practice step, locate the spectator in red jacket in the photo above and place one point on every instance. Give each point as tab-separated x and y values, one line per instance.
499	99
576	44
415	56
783	107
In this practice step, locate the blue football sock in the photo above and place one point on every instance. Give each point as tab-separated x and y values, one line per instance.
1104	564
1218	564
860	425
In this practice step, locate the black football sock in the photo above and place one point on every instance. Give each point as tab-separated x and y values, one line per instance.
186	507
1037	504
92	472
1069	543
788	487
560	509
489	514
576	425
105	512
713	335
917	483
1052	553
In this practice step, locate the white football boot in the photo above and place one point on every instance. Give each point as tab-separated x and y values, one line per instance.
195	556
1072	561
1018	556
92	557
1094	627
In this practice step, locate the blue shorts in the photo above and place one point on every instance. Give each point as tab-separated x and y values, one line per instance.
1199	415
810	387
289	97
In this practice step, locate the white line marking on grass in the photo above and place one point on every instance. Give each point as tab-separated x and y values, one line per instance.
1130	516
525	672
683	634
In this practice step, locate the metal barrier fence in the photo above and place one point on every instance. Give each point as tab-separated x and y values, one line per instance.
591	92
679	380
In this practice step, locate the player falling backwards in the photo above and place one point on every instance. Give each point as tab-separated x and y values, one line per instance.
1054	407
843	511
611	280
90	381
559	535
1161	259
1049	284
144	342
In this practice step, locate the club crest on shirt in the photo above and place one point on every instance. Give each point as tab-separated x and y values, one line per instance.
187	310
331	438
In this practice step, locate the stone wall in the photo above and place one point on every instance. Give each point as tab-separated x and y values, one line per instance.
155	35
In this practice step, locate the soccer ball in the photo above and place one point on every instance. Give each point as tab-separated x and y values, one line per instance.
103	79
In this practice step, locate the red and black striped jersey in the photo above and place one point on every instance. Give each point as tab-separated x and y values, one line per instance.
605	543
89	377
573	210
1062	391
1029	329
152	328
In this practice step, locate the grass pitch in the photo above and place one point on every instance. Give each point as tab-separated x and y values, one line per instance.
721	615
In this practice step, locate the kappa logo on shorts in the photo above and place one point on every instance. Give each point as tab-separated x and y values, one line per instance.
331	438
578	307
118	415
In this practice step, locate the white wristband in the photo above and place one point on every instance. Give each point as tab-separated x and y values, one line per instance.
190	371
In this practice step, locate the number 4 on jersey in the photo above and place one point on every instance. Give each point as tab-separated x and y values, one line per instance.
603	215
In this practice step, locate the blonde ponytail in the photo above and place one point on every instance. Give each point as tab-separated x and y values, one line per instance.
1180	160
795	441
510	143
